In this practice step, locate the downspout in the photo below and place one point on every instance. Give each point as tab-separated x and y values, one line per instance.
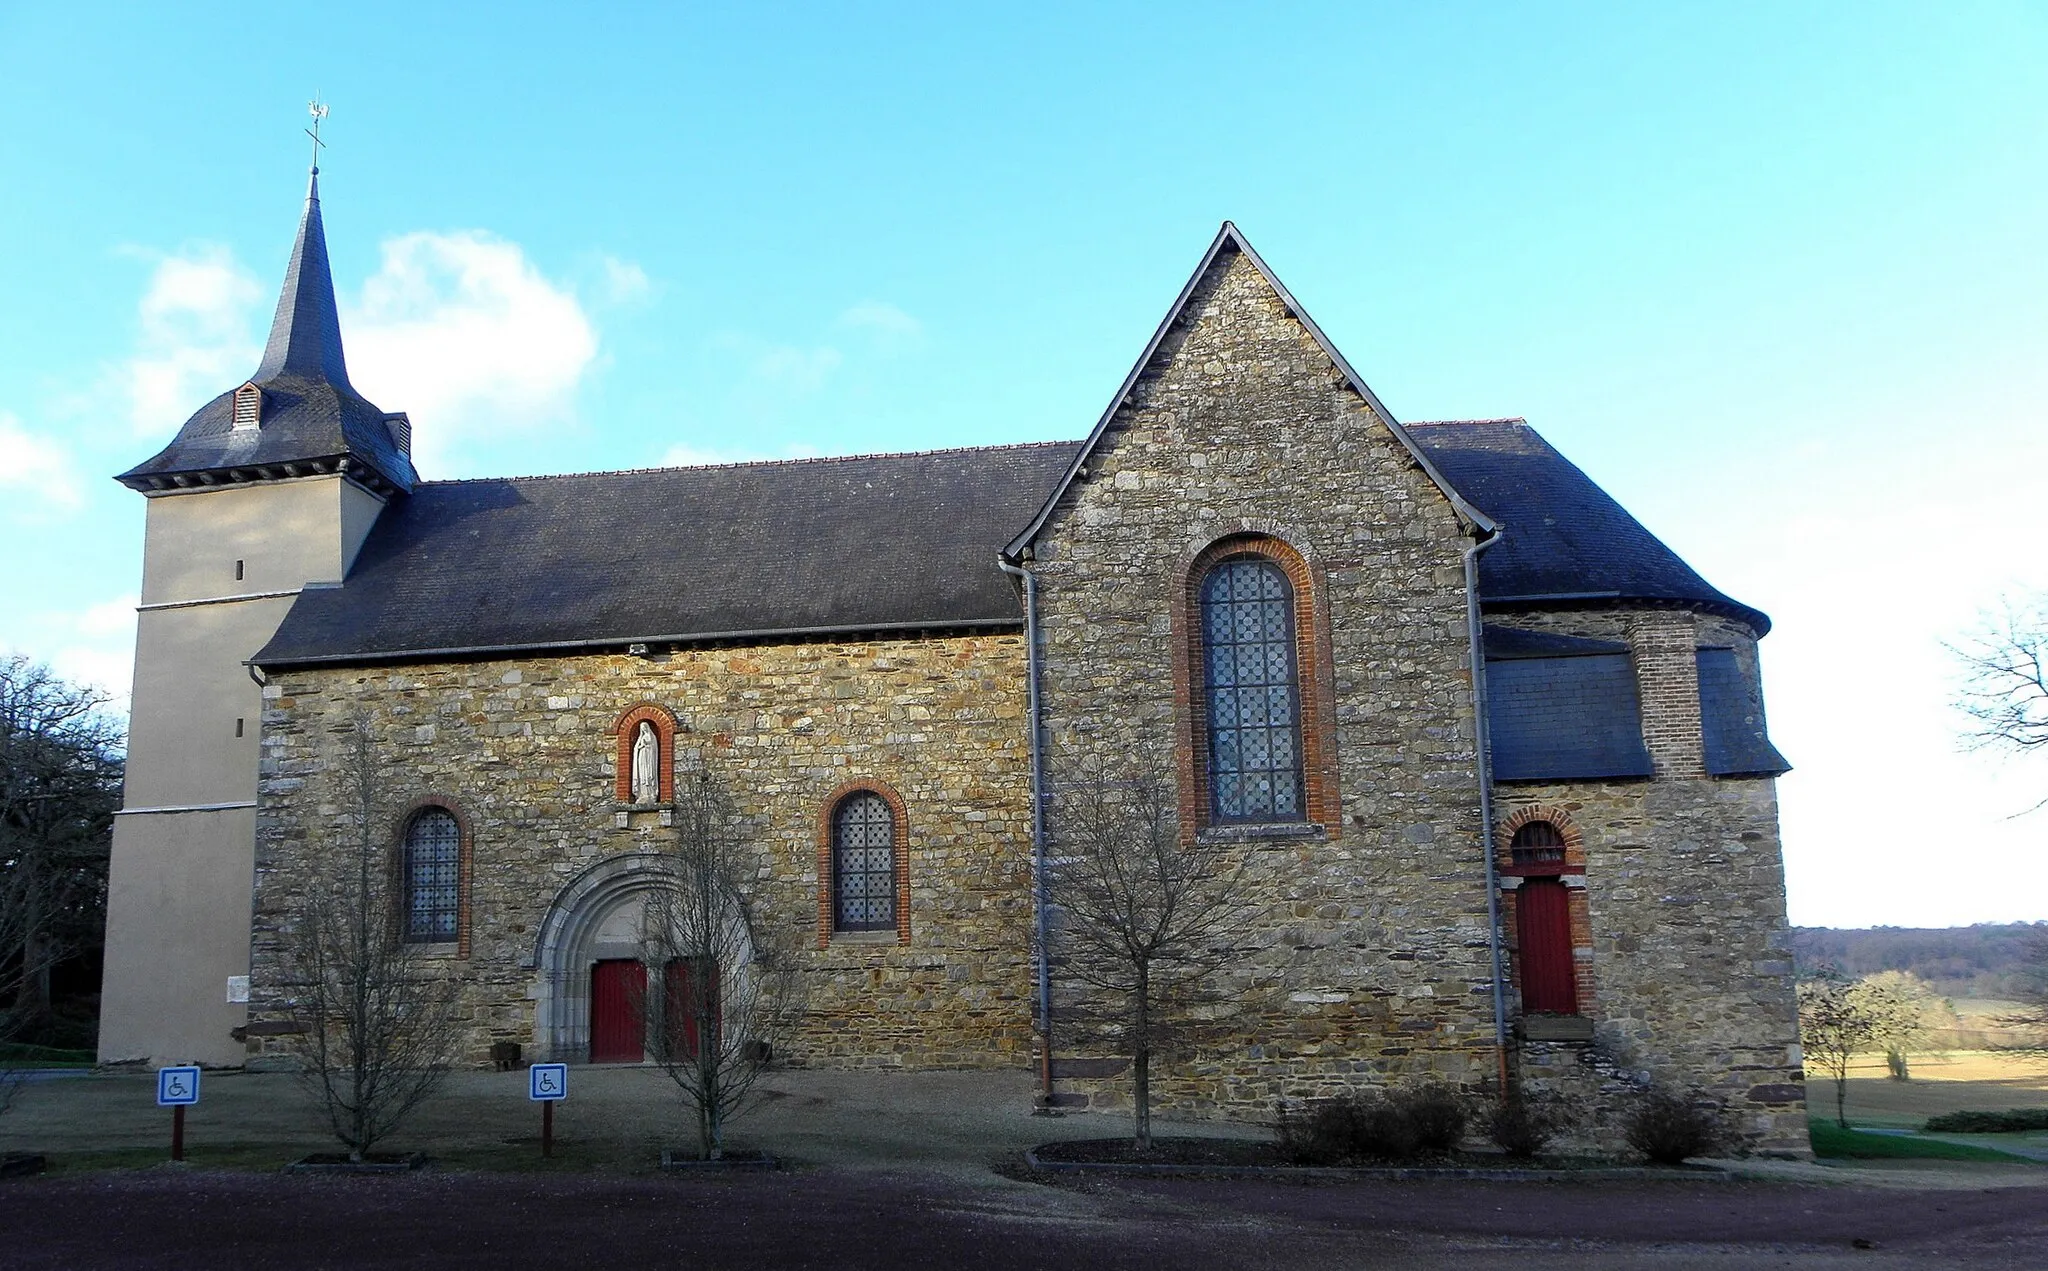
1038	897
1483	740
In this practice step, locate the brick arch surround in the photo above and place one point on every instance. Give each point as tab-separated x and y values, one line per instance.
899	843
664	722
1574	841
465	852
1314	663
1573	866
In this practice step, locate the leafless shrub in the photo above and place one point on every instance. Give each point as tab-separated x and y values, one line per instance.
1143	918
729	997
376	1025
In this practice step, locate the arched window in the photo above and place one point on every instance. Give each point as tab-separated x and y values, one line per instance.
433	876
1252	688
863	863
1537	843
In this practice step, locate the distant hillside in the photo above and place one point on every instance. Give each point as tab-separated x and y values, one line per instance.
1987	960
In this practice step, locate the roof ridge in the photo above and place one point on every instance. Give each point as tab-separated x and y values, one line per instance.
1491	419
759	463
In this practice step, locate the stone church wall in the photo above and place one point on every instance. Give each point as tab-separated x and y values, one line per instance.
525	750
1368	959
1686	939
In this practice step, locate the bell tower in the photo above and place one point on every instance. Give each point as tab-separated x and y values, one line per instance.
268	489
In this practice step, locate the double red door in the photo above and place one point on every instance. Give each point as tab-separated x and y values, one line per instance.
618	1008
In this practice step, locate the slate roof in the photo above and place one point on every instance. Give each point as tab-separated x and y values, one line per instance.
811	546
870	543
1732	719
1565	718
312	417
1565	538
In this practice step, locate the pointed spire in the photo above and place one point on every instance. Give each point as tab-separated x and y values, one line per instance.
305	336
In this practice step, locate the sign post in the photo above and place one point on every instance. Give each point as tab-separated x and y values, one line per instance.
177	1089
547	1085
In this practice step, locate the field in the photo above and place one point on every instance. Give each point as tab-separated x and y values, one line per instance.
1954	1082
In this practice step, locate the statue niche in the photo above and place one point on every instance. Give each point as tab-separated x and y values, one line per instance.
646	786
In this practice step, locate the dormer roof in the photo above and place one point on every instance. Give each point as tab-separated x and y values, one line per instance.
311	419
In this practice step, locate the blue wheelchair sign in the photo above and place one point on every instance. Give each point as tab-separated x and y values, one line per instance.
547	1082
176	1087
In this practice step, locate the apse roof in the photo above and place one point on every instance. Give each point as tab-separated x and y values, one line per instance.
1565	540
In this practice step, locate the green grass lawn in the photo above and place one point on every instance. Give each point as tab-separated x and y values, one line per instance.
1832	1142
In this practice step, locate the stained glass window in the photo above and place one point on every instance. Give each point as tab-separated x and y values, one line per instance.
433	854
864	864
1253	691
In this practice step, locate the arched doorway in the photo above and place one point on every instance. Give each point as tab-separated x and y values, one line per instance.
601	981
1543	922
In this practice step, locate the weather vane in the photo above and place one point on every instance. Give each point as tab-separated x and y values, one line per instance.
318	110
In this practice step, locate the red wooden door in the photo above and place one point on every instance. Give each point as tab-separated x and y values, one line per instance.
1543	925
618	1028
692	988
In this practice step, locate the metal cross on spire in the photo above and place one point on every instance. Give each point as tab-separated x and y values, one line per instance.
318	110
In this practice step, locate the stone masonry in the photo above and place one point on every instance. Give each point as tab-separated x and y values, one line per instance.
1687	939
1369	961
526	751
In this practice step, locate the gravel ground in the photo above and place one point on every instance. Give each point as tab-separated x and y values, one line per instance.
895	1170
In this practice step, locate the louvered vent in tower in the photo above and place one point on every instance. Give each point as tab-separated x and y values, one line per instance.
248	406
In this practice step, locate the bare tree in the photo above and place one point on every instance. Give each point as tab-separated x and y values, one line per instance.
376	1029
1143	919
60	782
1901	1008
1834	1027
2004	691
728	994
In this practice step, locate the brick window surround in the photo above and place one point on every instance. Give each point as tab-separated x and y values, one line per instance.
1314	668
899	827
1572	866
664	722
465	851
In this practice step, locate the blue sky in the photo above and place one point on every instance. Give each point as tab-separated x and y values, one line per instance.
1773	274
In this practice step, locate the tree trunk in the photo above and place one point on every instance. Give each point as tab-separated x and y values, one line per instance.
1842	1099
1141	1057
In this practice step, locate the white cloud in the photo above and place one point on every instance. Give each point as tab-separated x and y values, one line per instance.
777	380
892	329
624	281
464	333
197	339
39	473
93	646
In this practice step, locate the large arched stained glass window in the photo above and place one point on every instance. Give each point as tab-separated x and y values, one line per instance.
433	866
863	864
1254	692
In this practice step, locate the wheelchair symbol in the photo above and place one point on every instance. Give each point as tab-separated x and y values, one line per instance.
548	1082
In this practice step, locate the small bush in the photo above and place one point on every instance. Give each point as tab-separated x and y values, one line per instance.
2011	1121
1320	1134
1428	1120
1523	1124
1438	1114
1670	1126
1384	1130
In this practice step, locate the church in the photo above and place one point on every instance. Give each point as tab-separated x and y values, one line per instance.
1494	756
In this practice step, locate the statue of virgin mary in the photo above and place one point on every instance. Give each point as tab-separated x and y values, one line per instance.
646	764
